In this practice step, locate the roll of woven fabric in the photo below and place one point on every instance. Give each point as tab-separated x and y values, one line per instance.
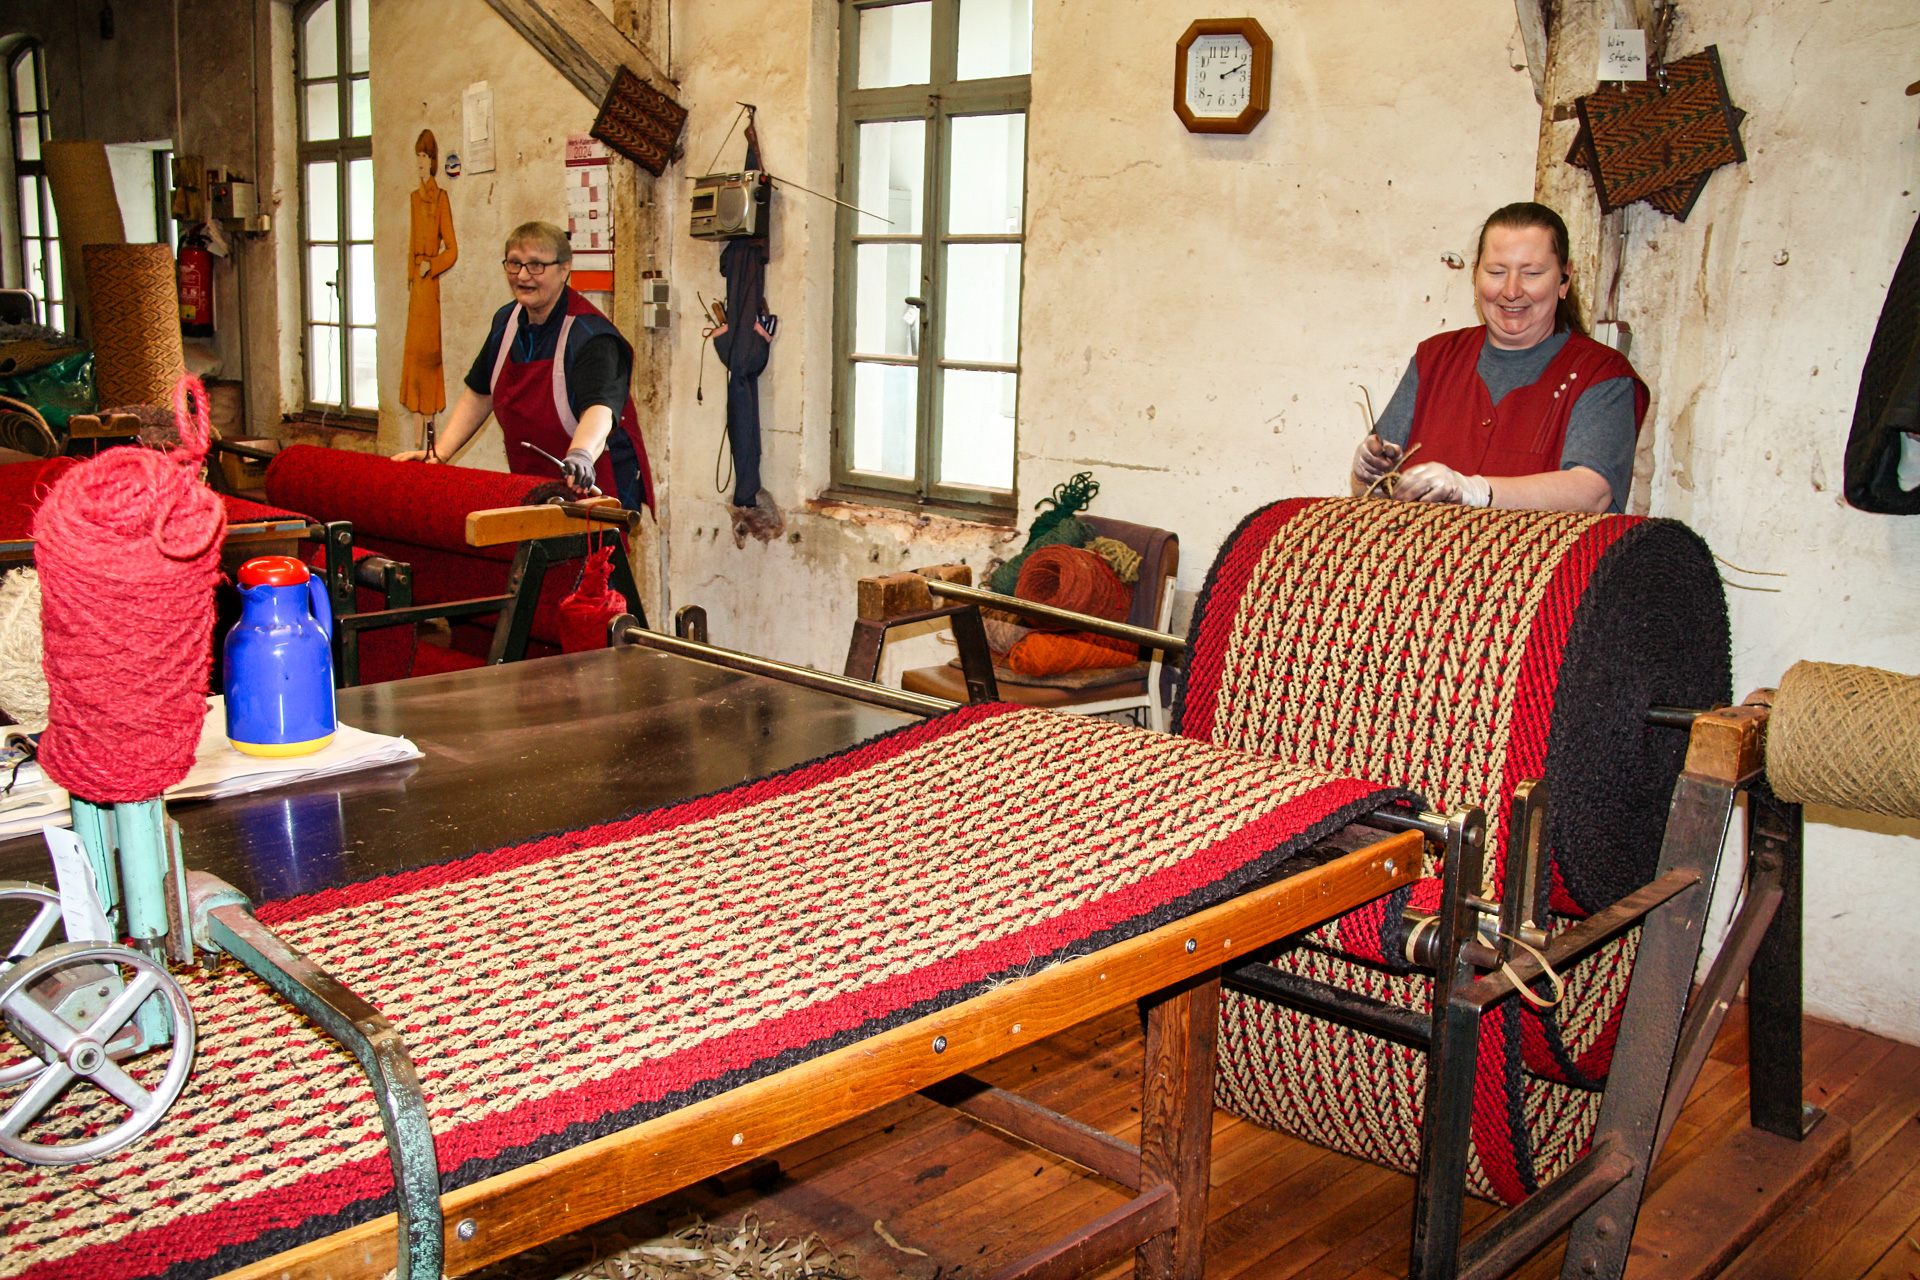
1069	578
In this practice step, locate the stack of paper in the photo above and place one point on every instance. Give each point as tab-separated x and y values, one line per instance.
218	770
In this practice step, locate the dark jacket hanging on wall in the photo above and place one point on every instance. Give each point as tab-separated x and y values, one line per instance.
1889	403
743	349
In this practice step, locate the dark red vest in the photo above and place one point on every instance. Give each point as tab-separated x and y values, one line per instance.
530	400
1456	422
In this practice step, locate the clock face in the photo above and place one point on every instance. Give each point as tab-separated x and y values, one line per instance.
1219	75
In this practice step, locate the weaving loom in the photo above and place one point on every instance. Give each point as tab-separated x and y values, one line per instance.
276	1141
1348	657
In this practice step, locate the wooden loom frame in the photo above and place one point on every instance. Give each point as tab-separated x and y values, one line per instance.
1174	971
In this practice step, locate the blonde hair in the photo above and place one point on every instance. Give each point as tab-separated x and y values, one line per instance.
540	235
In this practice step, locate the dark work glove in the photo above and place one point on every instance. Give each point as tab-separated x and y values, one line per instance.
577	468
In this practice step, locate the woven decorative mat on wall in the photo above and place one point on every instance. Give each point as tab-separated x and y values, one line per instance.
1456	653
640	122
1660	143
564	989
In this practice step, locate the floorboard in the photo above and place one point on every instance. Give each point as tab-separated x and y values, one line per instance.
1280	1209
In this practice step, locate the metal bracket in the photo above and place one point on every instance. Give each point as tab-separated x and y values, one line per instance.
223	919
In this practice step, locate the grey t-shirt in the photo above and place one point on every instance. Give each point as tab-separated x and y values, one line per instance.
1600	431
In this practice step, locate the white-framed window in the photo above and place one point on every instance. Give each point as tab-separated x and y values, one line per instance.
336	205
934	97
39	229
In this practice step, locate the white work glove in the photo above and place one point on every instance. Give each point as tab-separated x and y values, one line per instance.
1438	482
577	469
1373	459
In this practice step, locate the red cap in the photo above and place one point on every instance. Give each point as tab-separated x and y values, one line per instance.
273	571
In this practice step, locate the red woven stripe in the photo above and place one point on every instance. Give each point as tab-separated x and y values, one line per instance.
1208	648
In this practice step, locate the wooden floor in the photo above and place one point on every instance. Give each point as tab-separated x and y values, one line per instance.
1280	1209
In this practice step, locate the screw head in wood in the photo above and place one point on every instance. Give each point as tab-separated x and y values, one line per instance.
1192	946
939	1044
467	1229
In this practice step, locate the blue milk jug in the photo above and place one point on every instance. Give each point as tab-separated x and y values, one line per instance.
279	661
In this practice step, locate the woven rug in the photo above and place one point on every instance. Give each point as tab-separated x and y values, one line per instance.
1456	653
560	990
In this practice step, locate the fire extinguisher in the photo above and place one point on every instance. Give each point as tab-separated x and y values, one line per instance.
195	269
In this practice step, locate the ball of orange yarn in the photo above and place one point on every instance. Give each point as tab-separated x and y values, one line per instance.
128	548
1055	653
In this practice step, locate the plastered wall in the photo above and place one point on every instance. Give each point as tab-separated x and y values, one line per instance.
1200	314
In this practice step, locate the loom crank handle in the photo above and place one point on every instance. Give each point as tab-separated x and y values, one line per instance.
78	1009
223	921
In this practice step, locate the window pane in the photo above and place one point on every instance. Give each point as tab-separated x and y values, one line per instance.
323	111
29	207
323	200
884	397
29	132
26	86
49	214
366	384
362	109
360	284
893	167
989	164
976	429
357	35
319	41
323	270
56	316
996	38
885	276
896	45
36	280
360	199
982	320
323	364
56	271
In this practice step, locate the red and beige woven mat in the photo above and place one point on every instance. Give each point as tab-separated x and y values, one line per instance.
566	988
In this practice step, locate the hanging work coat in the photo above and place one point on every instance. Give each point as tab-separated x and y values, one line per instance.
1456	422
530	398
743	348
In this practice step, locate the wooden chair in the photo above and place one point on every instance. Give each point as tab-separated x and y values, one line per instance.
1088	692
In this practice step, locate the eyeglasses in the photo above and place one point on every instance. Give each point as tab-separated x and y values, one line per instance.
531	268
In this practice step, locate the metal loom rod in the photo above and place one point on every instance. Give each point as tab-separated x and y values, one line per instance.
897	699
1143	636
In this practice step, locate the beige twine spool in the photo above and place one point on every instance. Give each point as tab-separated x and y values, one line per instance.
23	683
1847	737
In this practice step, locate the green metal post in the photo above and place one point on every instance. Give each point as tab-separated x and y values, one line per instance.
141	827
94	825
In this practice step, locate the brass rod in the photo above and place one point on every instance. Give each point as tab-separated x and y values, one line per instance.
897	699
1142	636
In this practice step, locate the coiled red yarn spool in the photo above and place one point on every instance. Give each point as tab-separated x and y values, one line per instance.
128	549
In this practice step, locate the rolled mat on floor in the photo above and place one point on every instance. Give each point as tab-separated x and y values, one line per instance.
137	353
89	212
1848	737
1456	653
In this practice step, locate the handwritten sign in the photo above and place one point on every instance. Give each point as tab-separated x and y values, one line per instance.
1623	54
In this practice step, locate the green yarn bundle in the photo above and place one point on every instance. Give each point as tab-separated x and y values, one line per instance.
1055	527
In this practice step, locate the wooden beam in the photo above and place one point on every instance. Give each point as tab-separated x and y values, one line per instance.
517	1210
1533	37
497	525
579	42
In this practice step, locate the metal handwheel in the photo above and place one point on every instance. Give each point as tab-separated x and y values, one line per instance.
74	1007
30	940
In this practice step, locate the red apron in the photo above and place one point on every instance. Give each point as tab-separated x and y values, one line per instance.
1456	422
530	400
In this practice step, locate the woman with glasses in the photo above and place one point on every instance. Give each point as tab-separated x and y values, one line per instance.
555	372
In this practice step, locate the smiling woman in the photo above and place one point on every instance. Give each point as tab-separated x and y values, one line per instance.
1523	410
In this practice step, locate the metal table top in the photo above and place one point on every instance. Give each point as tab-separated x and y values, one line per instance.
511	751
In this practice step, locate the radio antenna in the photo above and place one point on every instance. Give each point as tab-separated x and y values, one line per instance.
744	108
824	196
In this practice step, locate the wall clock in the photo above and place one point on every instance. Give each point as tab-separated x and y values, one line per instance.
1222	72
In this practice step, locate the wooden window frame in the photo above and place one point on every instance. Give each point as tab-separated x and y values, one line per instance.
938	103
343	148
48	237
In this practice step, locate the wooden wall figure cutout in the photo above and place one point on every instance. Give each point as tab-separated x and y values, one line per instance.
431	249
